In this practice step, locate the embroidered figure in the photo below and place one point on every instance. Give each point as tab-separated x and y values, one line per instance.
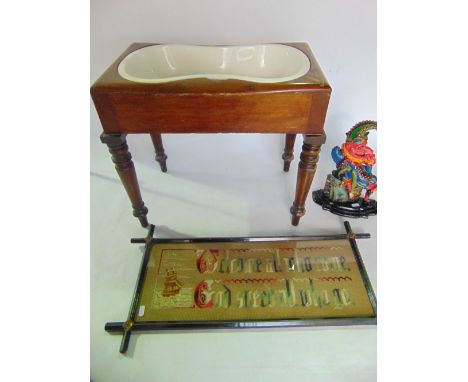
172	286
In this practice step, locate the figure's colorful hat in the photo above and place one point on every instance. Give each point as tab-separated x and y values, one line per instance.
360	131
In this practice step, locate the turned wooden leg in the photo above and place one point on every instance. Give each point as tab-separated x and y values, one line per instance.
305	174
117	145
159	149
288	154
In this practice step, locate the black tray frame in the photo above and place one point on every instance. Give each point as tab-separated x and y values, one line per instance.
130	325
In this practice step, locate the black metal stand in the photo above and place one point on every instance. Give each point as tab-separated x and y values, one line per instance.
127	327
358	209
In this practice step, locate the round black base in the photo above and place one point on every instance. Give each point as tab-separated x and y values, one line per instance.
358	209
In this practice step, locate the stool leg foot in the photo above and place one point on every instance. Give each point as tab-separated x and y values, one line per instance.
159	149
122	158
305	174
288	154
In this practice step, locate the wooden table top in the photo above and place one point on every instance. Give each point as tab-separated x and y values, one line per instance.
111	81
202	105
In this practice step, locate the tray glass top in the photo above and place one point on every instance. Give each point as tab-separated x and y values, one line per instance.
242	281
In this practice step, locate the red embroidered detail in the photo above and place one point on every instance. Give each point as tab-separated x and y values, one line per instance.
200	296
207	261
240	281
335	278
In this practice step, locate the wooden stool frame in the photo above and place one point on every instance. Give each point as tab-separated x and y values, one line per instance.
206	106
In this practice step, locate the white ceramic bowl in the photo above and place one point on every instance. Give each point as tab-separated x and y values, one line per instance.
268	63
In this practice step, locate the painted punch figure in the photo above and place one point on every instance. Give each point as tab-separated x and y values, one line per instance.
353	176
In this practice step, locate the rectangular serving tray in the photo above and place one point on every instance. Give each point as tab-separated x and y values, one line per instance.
249	282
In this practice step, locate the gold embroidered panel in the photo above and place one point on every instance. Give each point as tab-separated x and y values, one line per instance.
253	281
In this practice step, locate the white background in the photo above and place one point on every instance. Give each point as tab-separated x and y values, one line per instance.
44	193
227	185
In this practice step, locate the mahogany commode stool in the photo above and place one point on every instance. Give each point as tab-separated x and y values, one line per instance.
246	102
